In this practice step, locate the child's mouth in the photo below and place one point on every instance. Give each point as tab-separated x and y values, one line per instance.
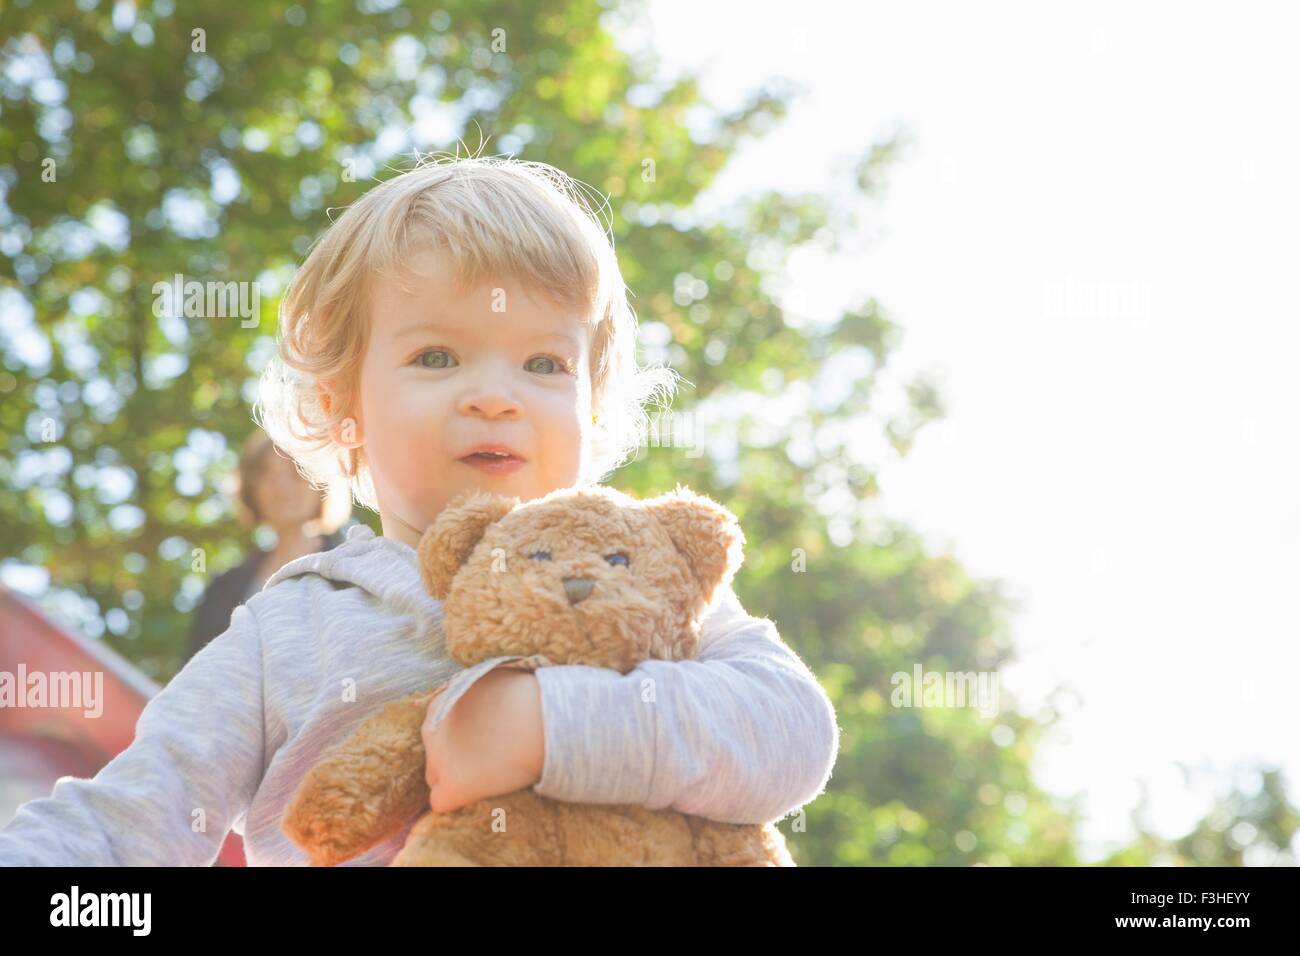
493	464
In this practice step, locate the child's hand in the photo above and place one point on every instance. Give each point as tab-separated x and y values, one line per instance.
490	743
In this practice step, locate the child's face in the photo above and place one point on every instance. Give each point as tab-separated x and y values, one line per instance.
445	372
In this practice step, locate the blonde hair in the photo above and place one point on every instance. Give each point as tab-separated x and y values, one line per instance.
493	217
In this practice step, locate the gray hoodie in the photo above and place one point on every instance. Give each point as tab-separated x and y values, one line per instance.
742	734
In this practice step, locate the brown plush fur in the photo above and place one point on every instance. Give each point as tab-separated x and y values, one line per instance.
500	600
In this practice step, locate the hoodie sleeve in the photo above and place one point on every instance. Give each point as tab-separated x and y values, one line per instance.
171	796
743	733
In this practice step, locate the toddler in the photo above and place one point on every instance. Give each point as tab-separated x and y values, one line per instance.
461	326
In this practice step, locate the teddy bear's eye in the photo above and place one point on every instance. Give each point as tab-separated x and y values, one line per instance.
617	559
541	555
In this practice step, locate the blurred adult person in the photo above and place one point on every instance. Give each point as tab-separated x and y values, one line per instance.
269	491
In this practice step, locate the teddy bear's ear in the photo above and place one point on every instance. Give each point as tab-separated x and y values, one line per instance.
447	543
704	532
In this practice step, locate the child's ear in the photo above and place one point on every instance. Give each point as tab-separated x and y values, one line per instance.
347	433
447	543
704	532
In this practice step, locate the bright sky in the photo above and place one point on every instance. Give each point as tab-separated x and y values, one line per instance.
1092	244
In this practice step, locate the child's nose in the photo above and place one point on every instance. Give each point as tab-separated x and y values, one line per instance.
489	407
490	400
578	589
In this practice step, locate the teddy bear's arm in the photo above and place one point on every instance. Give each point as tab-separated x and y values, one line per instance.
366	790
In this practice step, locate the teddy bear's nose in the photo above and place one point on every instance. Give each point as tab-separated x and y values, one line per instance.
578	588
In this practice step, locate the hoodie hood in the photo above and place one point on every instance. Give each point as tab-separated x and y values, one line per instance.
384	567
388	569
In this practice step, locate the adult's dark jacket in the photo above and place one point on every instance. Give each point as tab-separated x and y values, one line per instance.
230	589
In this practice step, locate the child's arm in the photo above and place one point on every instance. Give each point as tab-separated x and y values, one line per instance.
198	747
742	734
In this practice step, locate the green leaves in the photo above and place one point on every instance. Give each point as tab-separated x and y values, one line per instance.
223	155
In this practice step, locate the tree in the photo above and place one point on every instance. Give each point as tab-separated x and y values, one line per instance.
212	139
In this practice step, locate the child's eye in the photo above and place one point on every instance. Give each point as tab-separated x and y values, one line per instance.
420	359
557	363
541	555
617	559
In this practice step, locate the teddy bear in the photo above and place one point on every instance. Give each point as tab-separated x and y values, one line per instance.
586	575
